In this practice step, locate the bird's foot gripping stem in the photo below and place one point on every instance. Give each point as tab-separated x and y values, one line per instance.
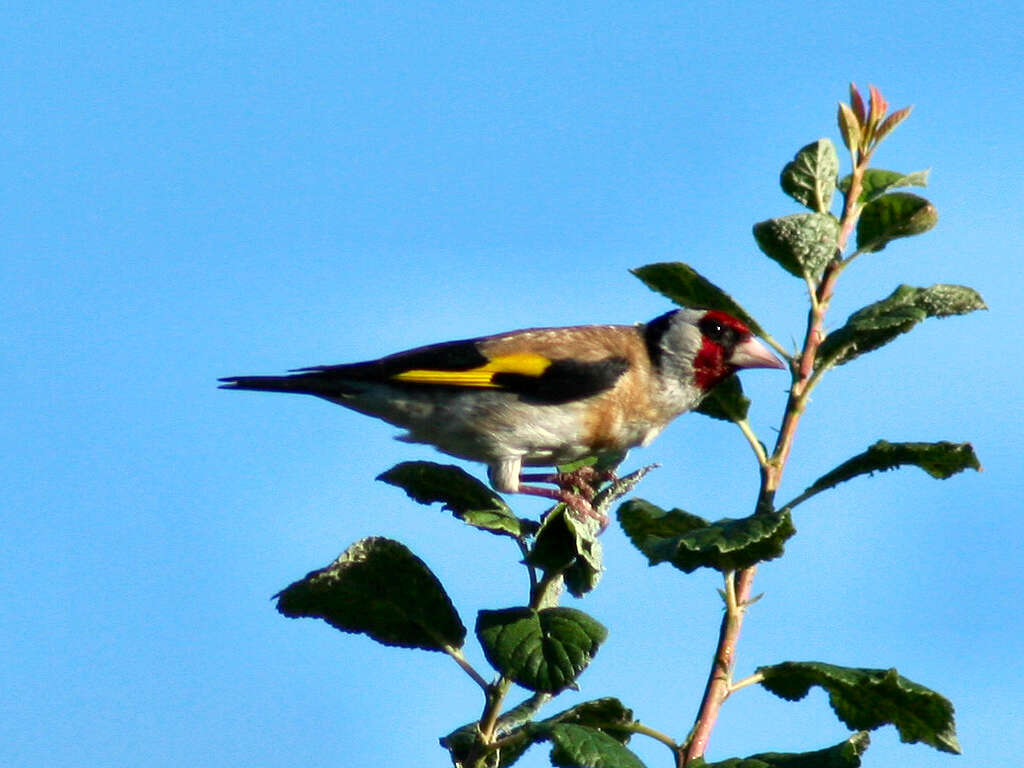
577	489
583	507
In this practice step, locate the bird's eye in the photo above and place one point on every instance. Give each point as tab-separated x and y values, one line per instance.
712	329
718	332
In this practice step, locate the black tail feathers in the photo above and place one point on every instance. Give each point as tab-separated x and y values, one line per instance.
300	384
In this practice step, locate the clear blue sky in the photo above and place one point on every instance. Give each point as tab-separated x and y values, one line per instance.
193	190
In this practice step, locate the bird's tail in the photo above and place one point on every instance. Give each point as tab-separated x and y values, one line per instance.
316	383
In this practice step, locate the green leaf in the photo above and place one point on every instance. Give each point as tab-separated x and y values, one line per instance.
682	284
466	497
726	401
607	461
810	177
618	488
608	715
577	746
380	588
891	216
567	546
521	714
865	699
877	324
850	127
846	754
517	733
509	754
876	182
689	542
464	741
940	460
542	650
802	244
465	747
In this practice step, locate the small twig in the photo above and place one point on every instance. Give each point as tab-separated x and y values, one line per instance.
812	291
812	382
717	689
456	654
783	352
755	444
805	377
731	605
642	729
525	550
522	712
852	256
753	679
492	707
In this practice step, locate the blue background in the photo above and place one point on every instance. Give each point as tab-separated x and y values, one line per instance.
194	190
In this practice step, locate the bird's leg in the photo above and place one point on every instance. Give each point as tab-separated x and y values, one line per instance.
576	489
583	480
573	500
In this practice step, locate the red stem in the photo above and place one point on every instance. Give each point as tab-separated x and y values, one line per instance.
717	689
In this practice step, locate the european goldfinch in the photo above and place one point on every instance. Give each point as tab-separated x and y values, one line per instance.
540	396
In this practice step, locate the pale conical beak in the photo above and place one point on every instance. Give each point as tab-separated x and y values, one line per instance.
753	354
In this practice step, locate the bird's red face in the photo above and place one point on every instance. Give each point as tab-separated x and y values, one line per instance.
727	345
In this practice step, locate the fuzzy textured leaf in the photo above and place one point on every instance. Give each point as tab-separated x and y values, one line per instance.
940	460
846	754
686	287
618	488
689	542
518	733
850	127
865	699
876	182
464	743
577	746
568	546
542	650
381	589
802	244
877	324
466	497
891	216
608	715
516	722
726	401
810	177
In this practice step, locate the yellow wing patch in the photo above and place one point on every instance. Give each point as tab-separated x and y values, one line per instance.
522	363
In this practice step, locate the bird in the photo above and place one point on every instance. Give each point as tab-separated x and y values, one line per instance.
540	397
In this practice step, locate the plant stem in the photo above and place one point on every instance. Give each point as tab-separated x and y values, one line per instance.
804	377
525	550
738	585
783	352
489	718
754	679
755	444
718	685
802	373
665	739
456	654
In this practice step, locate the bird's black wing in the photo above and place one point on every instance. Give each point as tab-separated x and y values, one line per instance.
455	365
